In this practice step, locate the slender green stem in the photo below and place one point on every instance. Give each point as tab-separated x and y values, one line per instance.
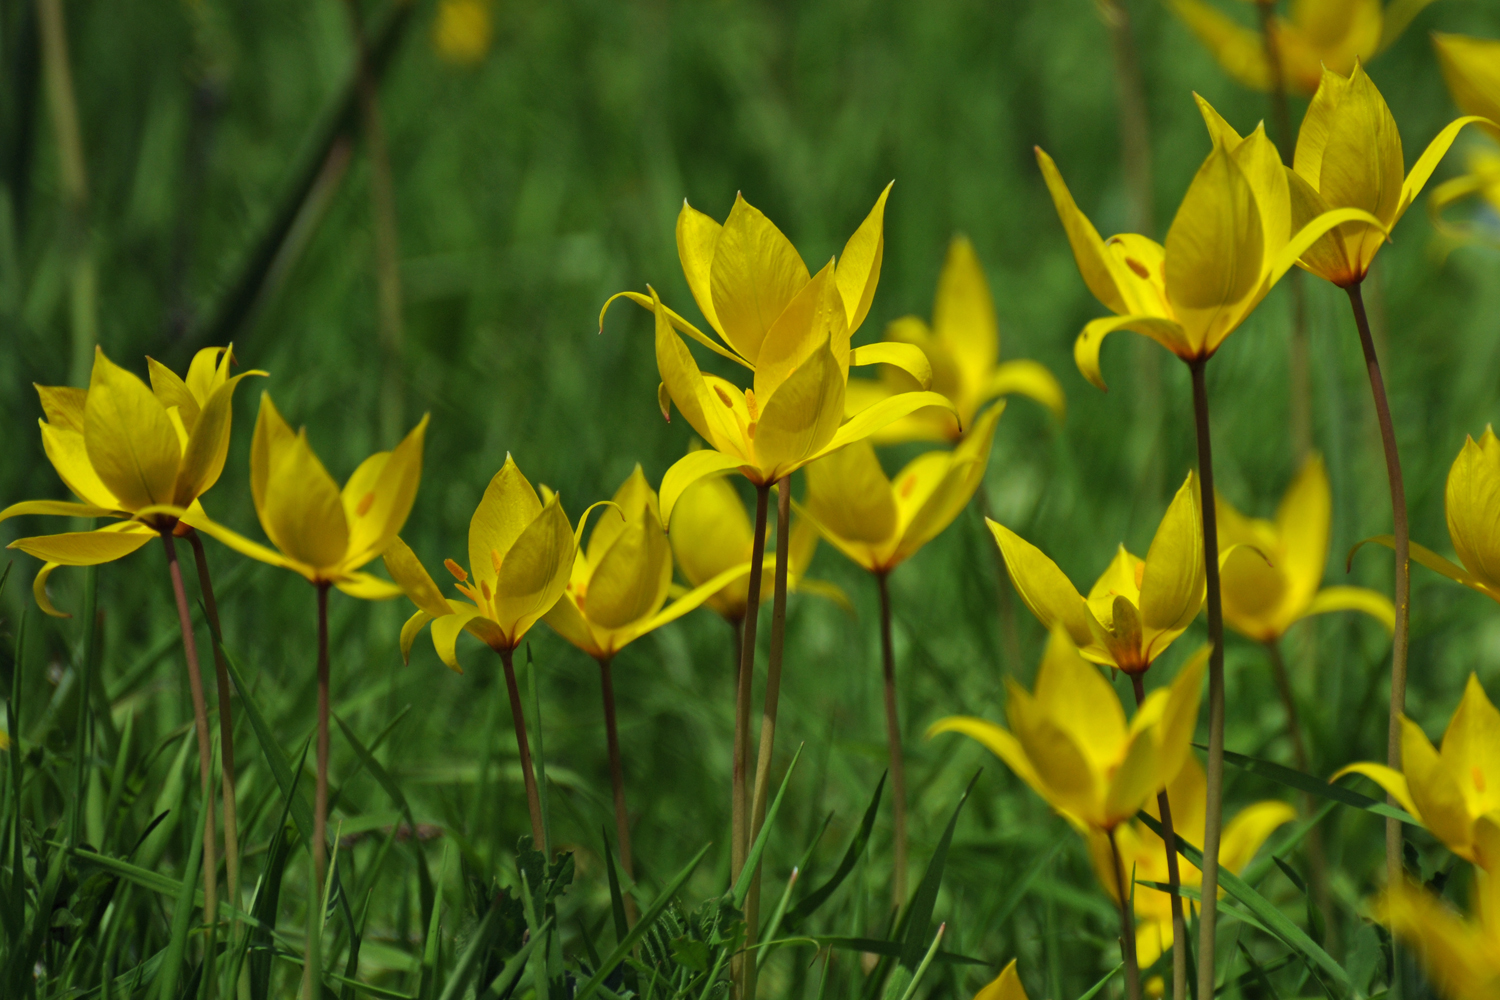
617	779
1214	799
523	748
205	756
1127	924
312	980
1174	875
1403	580
226	724
893	736
768	713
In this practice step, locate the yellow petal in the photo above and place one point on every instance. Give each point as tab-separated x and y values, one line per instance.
1173	581
1471	750
1471	68
676	322
172	391
859	264
1140	775
84	548
1070	781
128	436
756	271
63	405
697	235
367	587
409	631
199	521
849	496
682	605
1042	586
69	456
1254	593
998	742
1027	378
1421	171
566	620
408	572
391	495
1239	50
303	514
1328	256
1121	578
272	437
1372	603
1072	691
208	370
1362	165
1180	713
57	508
208	443
39	591
1317	124
710	529
630	580
1436	790
1248	830
1392	781
963	316
445	632
910	358
1006	986
1260	161
1098	266
1168	333
813	316
534	572
1471	498
868	421
1457	954
688	470
508	507
686	386
935	488
1302	520
634	496
801	417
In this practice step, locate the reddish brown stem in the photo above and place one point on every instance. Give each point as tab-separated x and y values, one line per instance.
226	720
1174	875
1127	925
893	738
523	747
617	776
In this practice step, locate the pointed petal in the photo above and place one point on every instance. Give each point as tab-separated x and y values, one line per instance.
412	577
1168	333
1006	986
409	631
367	587
206	372
1173	581
849	496
1071	782
208	444
381	518
508	507
683	604
930	501
859	264
998	742
676	322
1421	171
688	470
172	391
1372	603
128	436
534	572
1139	777
566	620
1097	265
1042	586
808	321
84	548
1317	124
63	405
242	545
39	591
756	271
272	437
801	417
1471	750
1249	829
1436	790
630	580
1180	714
57	508
303	514
687	387
1393	781
886	411
697	235
908	357
69	456
1074	692
1471	500
1027	378
1302	520
963	316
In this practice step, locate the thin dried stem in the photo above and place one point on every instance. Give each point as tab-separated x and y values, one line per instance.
893	737
226	722
1174	875
1127	924
523	747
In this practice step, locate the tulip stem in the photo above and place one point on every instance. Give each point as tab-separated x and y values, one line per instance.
1403	579
1174	876
617	778
205	754
314	979
768	714
1127	924
226	723
518	722
739	840
1214	799
893	735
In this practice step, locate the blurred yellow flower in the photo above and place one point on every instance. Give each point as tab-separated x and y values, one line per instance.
1230	242
324	533
1455	791
130	452
462	30
711	533
1070	742
620	581
1137	606
1142	852
1272	570
1471	67
878	522
1349	156
1006	986
521	555
1461	956
1332	33
789	328
963	347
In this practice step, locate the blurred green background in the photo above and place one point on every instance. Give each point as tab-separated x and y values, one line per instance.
535	182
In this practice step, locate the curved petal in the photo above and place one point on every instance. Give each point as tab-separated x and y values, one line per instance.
1436	790
1180	714
63	405
1098	266
208	444
1240	51
1469	67
1168	333
813	317
1072	783
1027	378
1362	165
859	264
686	471
849	496
830	592
1173	579
566	620
687	387
1305	238
445	631
84	548
963	314
630	580
676	322
243	545
304	514
1006	986
1471	749
908	357
39	591
534	572
57	508
1249	829
508	506
697	235
1139	777
272	437
683	604
412	577
69	456
1471	498
756	271
1042	586
1421	171
1074	692
367	587
866	422
381	513
928	504
172	391
1424	556
801	417
409	631
130	440
1393	781
1302	520
1372	603
998	742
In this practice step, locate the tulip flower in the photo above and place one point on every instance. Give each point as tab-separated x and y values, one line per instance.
1070	742
963	348
1141	852
1461	956
521	557
1332	33
1006	986
145	456
1453	791
616	594
1468	66
462	31
711	532
879	524
1137	606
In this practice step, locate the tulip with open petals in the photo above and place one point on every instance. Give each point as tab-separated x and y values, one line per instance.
1137	607
1349	156
1143	852
1273	570
126	451
1070	742
1453	791
1006	986
1231	241
1461	956
963	347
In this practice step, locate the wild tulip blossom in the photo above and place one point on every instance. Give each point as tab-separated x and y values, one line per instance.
963	348
1453	791
1142	852
143	455
462	31
1460	955
1006	986
1137	607
1471	67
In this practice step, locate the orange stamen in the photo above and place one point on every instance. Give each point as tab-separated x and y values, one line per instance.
724	396
365	503
1478	777
456	570
1140	574
907	485
485	587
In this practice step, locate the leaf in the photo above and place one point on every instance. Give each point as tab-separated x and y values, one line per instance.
819	896
1023	884
468	963
919	913
616	898
182	914
876	946
502	983
752	860
1093	991
1307	783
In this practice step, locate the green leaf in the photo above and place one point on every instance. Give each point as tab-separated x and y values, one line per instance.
1093	991
616	897
182	915
1023	884
819	896
469	962
514	966
919	913
752	860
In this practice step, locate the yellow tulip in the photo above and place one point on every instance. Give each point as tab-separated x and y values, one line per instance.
462	30
1272	570
1137	606
1462	956
1471	68
1143	852
521	556
1230	242
1070	742
1006	986
126	451
1332	33
791	329
963	348
320	531
621	580
711	533
880	523
1349	156
1455	791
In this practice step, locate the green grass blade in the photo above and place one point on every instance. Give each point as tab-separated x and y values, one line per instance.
182	915
916	979
514	966
919	913
1024	883
820	895
616	897
752	861
468	963
1307	783
1094	990
874	946
276	760
539	753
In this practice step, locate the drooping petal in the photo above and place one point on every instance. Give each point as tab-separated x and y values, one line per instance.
697	235
1026	378
172	391
756	271
686	386
84	548
801	417
508	506
859	264
676	322
998	742
1097	265
686	471
303	514
534	572
39	591
445	632
1006	986
1173	581
1042	586
1372	603
409	630
129	438
849	496
272	436
409	573
1166	332
391	496
963	314
910	358
63	405
241	544
56	508
1421	171
1248	830
1392	781
367	587
208	443
866	422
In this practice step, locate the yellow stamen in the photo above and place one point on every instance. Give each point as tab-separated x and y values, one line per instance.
751	405
485	587
724	396
1478	777
495	560
456	570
